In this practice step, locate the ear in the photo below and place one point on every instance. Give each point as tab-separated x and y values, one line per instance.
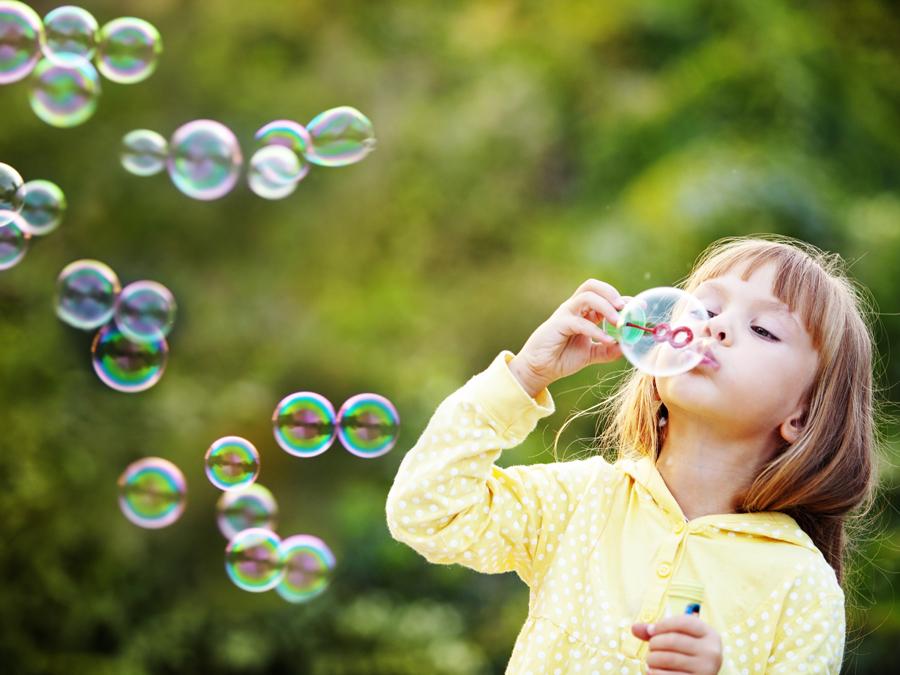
792	427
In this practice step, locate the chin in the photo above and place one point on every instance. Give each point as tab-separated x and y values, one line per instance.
689	394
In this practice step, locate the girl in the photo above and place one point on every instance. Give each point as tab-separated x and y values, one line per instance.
730	489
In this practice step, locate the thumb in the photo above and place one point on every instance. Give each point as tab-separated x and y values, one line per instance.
640	631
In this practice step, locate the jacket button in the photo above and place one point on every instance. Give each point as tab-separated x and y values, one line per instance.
679	528
646	617
664	569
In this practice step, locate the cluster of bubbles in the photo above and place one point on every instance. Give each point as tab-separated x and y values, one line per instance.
153	492
129	351
306	425
204	158
65	53
63	56
27	209
660	331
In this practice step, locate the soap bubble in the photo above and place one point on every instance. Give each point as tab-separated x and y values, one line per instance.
659	331
64	90
340	136
70	31
86	292
368	425
274	172
12	190
253	560
204	159
287	133
14	239
127	366
251	506
43	207
144	152
309	564
145	311
232	463
21	38
152	492
128	49
304	424
290	135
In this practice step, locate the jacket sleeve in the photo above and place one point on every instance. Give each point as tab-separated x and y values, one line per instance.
810	638
452	504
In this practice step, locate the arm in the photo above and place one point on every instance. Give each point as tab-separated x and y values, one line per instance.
810	637
451	503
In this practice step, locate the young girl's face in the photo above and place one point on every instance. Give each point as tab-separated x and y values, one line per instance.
765	358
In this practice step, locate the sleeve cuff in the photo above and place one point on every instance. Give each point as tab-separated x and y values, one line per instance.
504	399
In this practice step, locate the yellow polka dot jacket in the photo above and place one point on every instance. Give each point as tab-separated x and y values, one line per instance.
603	545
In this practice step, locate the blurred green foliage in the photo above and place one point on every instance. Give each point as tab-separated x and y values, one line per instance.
522	147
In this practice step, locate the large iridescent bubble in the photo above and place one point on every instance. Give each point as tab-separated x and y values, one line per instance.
86	292
368	425
64	90
152	492
12	189
144	152
70	31
21	38
274	172
252	506
304	424
340	136
232	463
145	311
659	331
13	239
309	565
253	560
127	366
128	50
204	159
43	207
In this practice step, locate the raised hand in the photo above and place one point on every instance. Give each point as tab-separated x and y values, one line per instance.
570	339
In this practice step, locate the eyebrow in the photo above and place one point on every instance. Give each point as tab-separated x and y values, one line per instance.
775	305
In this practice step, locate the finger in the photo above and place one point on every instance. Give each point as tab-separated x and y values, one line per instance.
689	624
604	353
675	642
608	291
661	671
670	661
593	306
639	630
577	325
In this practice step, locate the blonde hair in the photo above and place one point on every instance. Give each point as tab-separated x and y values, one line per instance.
828	476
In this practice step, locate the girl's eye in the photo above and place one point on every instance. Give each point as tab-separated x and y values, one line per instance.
710	313
764	333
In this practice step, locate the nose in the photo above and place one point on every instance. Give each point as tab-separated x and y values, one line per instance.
717	329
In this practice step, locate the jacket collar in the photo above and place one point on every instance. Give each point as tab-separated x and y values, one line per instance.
768	524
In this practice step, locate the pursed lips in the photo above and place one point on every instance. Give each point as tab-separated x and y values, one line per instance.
709	360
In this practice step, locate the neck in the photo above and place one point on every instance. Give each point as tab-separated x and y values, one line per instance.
707	469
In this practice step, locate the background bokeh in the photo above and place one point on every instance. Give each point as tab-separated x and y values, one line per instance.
522	147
